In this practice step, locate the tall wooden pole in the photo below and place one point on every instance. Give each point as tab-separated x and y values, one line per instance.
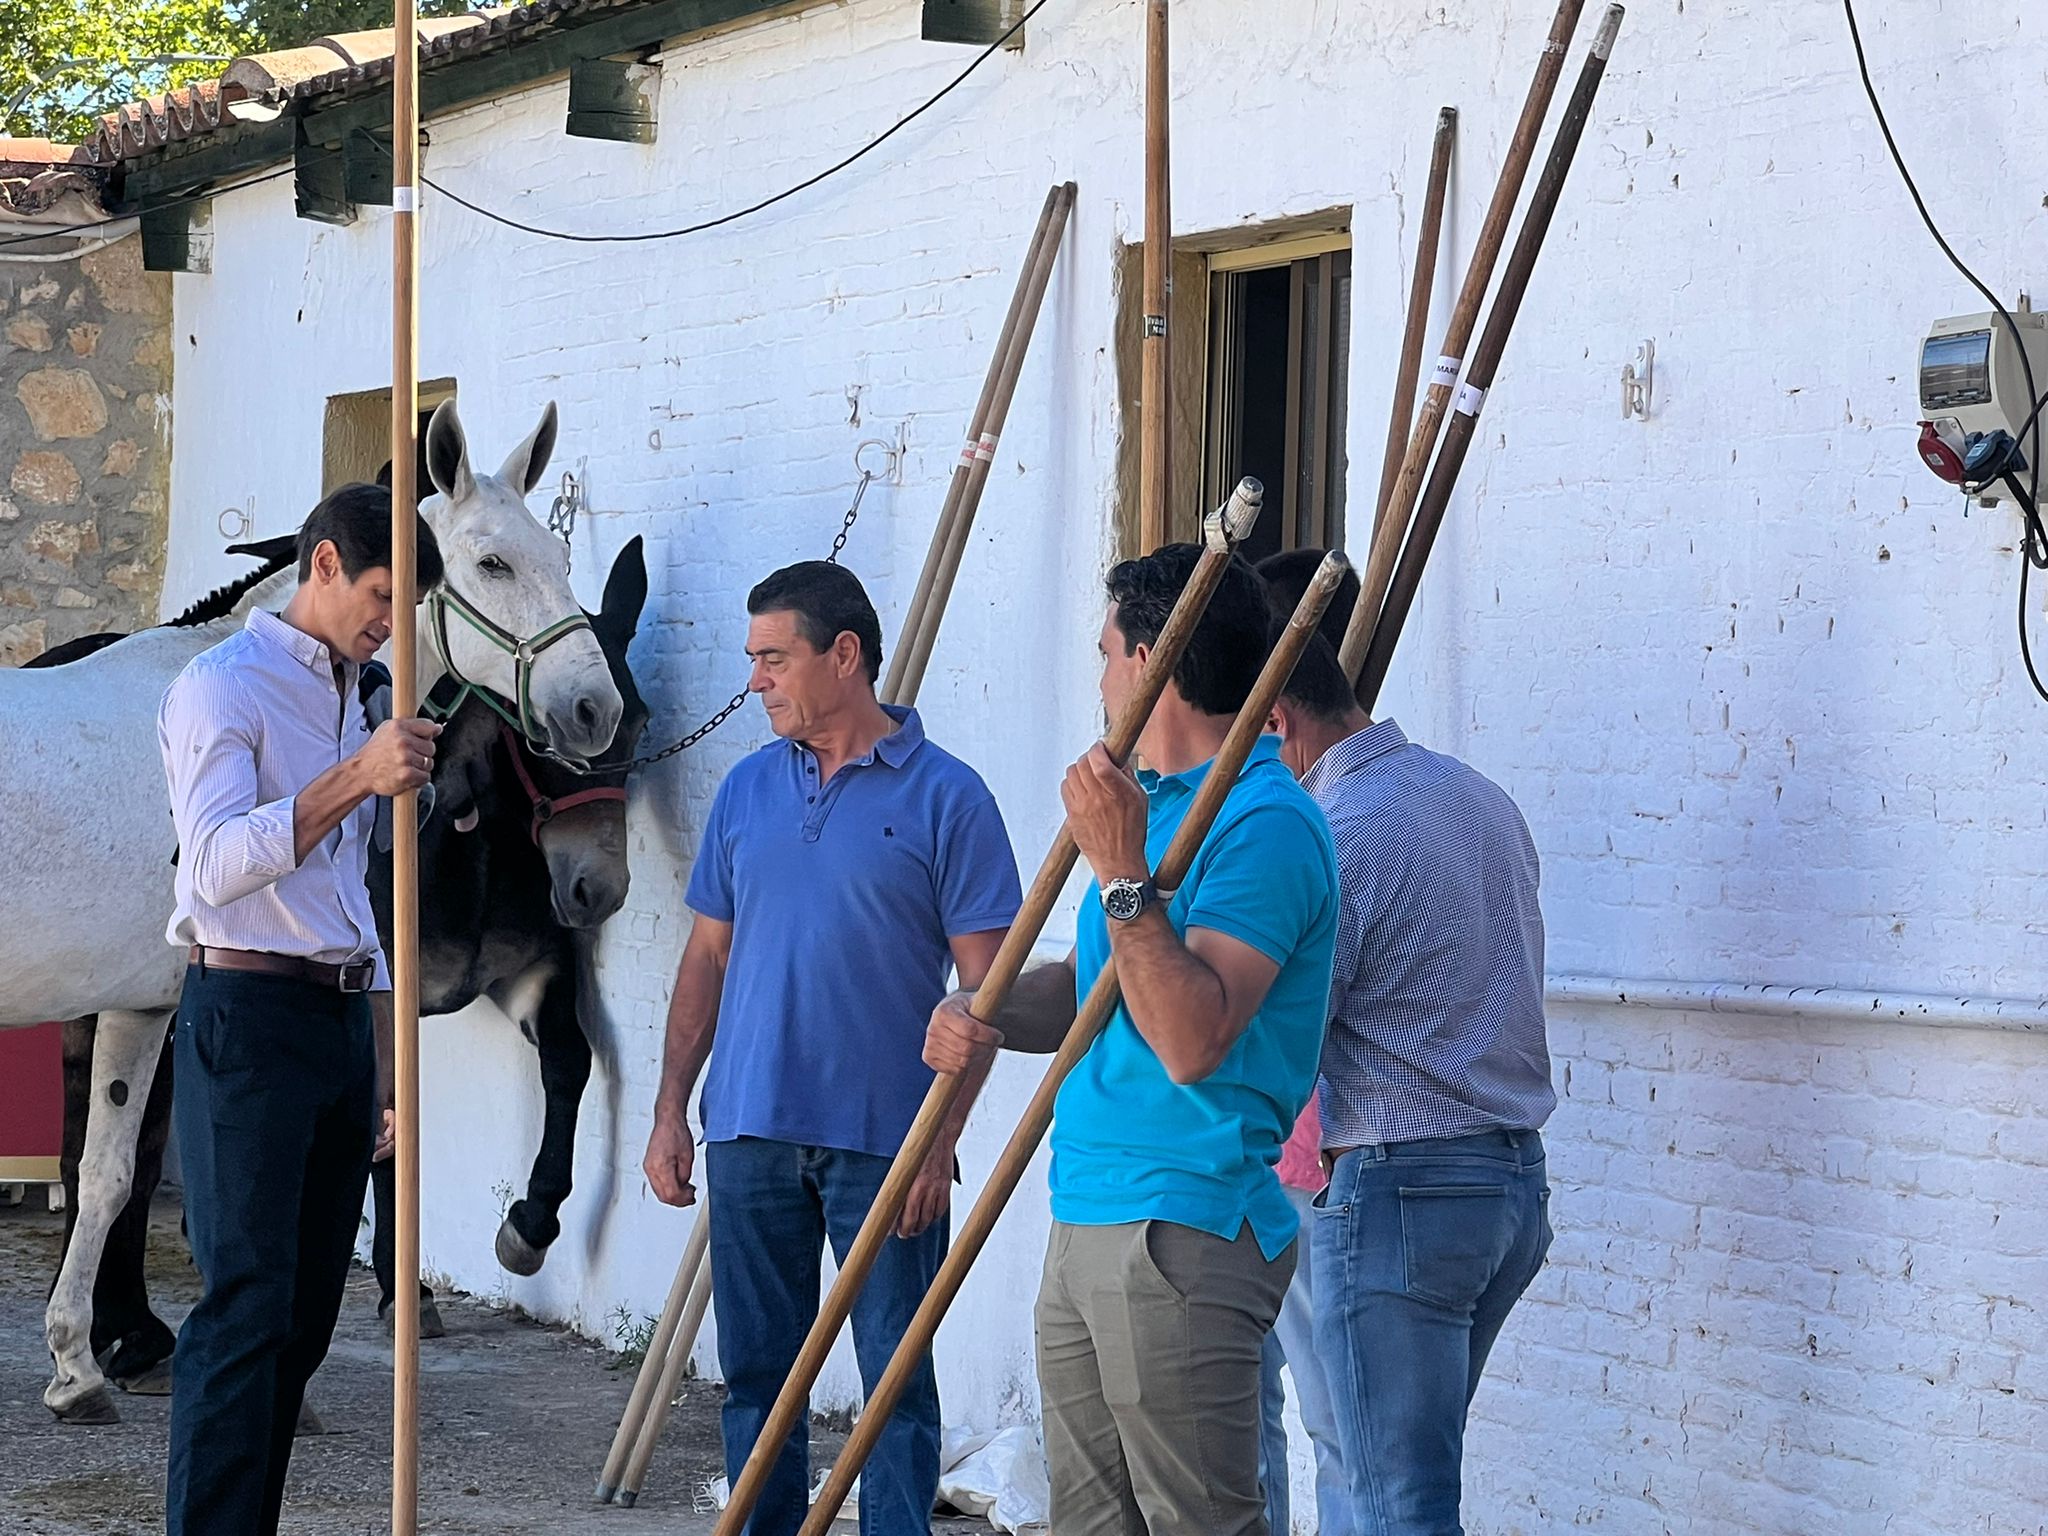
405	843
1507	304
1408	376
1493	233
1155	404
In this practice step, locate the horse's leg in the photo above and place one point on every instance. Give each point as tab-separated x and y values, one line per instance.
535	1222
135	1350
125	1051
384	1247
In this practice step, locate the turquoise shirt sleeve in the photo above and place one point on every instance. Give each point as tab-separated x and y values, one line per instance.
1265	881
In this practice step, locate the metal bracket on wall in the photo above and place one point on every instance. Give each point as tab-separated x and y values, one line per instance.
1635	383
893	455
235	523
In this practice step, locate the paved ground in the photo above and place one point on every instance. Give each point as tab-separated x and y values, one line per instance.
515	1420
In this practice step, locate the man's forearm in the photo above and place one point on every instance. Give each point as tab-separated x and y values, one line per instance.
692	1024
1173	997
323	805
1040	1009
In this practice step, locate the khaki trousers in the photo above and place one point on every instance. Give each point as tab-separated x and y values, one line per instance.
1149	1342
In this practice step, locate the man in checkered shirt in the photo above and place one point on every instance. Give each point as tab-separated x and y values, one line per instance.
1435	1080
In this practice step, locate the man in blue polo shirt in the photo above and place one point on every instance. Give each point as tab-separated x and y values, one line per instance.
1172	1240
845	868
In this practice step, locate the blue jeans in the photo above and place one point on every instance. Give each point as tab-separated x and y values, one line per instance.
1421	1248
773	1206
1292	1344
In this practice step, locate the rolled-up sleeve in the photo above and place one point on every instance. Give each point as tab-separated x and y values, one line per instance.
237	846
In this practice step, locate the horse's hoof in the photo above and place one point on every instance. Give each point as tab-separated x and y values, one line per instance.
309	1422
152	1381
431	1326
516	1253
96	1407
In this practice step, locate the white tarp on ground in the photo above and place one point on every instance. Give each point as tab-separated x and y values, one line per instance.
998	1475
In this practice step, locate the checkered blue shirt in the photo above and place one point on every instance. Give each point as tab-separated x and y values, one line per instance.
1437	999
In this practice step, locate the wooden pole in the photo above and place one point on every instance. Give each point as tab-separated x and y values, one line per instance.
914	616
656	1360
1155	404
1392	528
621	1476
405	847
1225	528
1092	1018
1408	375
671	1374
917	655
1514	284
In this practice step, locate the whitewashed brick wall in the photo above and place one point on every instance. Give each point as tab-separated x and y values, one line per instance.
1748	668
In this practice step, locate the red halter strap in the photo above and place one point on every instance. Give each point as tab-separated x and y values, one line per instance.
546	810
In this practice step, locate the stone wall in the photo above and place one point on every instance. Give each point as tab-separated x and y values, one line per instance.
85	419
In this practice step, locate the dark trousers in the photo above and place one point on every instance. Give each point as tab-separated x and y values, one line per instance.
274	1104
774	1205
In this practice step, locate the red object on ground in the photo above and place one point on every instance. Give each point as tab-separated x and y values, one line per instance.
31	1095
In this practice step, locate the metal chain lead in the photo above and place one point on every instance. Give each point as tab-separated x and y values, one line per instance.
732	705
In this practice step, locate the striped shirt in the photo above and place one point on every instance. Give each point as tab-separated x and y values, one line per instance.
244	728
1437	997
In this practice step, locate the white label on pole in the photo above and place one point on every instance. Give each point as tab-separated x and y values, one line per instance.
967	451
986	448
404	199
1469	400
1446	371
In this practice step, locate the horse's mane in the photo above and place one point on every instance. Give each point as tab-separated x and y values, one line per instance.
276	554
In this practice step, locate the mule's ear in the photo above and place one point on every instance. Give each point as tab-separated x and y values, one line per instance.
448	454
529	461
625	592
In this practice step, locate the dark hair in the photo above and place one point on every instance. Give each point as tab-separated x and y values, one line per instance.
828	601
1287	576
1223	658
356	520
1318	684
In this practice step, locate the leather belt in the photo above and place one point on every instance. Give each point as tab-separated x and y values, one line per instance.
355	976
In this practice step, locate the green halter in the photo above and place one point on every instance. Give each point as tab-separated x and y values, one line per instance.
523	652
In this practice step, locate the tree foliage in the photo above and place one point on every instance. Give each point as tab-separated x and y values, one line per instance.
64	62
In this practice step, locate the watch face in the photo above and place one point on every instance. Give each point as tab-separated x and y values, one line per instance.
1122	901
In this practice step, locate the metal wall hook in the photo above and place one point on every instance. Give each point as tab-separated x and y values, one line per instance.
1636	379
893	454
235	523
569	502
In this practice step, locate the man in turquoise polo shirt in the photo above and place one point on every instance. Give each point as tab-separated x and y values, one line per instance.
1172	1240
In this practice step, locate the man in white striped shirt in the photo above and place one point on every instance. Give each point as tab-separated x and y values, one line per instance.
273	776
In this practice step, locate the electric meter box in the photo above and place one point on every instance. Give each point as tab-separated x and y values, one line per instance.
1972	381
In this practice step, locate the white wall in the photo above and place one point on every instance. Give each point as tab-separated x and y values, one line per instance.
1749	670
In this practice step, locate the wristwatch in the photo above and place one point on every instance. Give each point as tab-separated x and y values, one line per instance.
1124	899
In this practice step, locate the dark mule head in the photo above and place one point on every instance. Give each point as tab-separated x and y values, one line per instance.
579	818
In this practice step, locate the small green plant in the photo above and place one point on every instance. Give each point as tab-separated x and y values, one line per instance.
632	1334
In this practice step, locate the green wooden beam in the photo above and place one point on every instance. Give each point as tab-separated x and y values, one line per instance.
366	168
613	99
175	238
972	21
320	185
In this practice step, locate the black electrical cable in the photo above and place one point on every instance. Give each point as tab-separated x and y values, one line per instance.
2034	537
48	231
767	202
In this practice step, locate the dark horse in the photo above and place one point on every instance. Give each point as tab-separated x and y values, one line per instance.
521	855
